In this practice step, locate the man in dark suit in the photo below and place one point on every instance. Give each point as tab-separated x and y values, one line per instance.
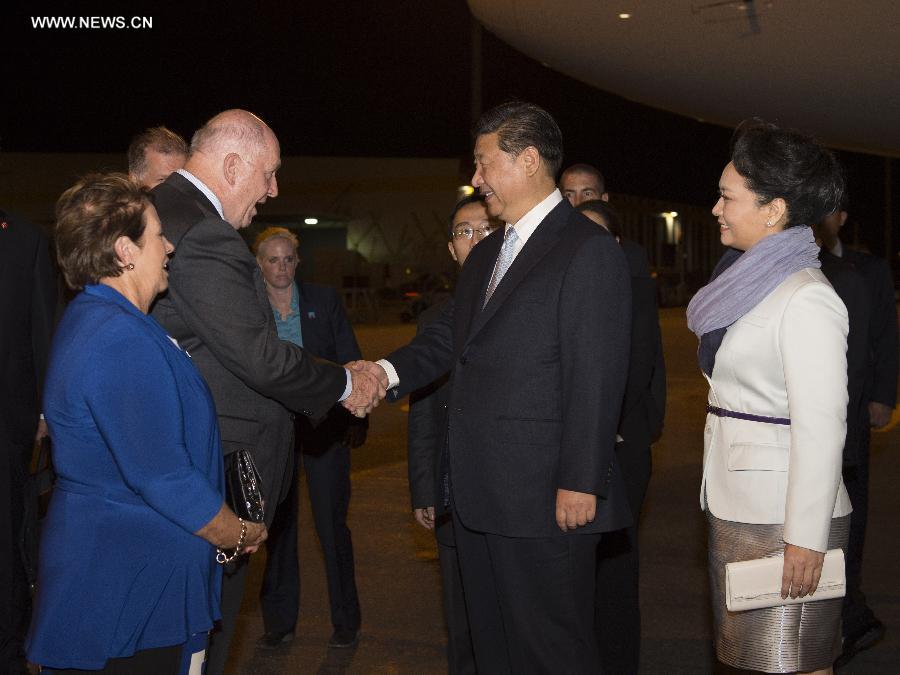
861	628
27	308
469	224
313	317
618	612
536	342
218	310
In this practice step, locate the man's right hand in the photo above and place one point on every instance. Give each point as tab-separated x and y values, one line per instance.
425	517
367	389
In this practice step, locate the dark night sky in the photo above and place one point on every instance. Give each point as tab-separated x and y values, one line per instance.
386	78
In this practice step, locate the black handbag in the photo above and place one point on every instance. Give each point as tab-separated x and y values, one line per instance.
243	490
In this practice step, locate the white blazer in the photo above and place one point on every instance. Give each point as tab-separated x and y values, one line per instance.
787	357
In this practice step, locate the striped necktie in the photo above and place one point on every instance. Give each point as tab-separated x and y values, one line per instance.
504	260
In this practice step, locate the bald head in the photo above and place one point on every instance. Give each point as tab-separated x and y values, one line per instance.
237	156
231	131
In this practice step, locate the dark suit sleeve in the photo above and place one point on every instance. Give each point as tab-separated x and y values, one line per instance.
43	310
427	357
883	337
425	432
217	299
644	342
851	289
594	345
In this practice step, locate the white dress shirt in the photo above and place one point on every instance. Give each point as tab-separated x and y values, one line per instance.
209	194
525	227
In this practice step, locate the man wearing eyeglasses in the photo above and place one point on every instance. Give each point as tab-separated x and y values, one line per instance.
469	224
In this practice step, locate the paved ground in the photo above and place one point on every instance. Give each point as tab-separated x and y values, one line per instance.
397	569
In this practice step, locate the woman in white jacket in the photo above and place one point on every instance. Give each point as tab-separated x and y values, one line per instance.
773	341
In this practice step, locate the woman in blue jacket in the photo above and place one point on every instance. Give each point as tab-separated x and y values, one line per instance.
127	579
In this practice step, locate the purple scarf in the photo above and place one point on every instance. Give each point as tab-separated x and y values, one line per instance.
751	278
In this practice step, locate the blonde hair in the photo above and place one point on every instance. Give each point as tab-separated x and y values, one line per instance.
274	233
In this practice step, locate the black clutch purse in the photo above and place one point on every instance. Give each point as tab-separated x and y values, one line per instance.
243	487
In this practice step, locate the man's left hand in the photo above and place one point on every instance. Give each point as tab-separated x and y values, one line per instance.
574	509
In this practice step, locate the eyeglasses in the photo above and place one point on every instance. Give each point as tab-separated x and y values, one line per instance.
468	232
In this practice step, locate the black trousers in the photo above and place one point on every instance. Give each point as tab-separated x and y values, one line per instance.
617	618
161	661
15	598
328	481
460	657
530	602
856	615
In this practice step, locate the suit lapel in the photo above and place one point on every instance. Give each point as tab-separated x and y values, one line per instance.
186	187
538	245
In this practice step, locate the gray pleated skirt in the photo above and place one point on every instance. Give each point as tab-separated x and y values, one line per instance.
784	639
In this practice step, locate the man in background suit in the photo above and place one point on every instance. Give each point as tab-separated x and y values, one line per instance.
218	310
469	224
618	612
27	308
154	154
536	342
313	317
861	628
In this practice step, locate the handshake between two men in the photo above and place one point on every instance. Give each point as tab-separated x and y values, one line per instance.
370	383
369	387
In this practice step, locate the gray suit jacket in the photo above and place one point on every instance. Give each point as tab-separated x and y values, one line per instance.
218	310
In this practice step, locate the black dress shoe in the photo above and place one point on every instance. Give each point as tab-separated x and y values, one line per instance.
859	641
343	638
274	639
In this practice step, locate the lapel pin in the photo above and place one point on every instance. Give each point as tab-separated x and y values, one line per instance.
311	315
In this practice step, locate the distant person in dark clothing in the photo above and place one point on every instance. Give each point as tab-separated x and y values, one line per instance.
861	628
469	224
618	613
314	318
27	309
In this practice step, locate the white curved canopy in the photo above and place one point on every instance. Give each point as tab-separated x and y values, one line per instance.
831	67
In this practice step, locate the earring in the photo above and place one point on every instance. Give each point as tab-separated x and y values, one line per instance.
129	266
769	224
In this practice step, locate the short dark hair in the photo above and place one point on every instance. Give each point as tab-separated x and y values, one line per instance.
589	170
90	216
520	125
606	212
477	197
161	139
791	165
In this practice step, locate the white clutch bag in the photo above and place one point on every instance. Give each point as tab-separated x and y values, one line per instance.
753	584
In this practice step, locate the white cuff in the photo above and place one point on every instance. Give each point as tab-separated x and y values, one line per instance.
349	387
393	378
